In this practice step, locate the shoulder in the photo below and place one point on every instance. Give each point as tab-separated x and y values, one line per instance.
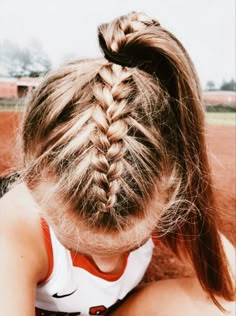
230	253
21	233
18	212
174	297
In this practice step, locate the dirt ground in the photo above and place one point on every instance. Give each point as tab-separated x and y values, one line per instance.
9	127
221	142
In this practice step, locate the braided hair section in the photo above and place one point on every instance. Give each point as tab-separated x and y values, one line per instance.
109	115
119	38
119	158
99	142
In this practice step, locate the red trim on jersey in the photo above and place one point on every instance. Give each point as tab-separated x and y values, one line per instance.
155	240
81	261
48	245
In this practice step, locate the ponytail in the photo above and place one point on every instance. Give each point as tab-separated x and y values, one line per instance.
138	41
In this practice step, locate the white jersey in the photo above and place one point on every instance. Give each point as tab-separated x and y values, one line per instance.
75	285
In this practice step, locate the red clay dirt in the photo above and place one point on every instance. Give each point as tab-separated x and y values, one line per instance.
9	126
221	141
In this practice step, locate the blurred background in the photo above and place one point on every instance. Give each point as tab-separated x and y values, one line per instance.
37	36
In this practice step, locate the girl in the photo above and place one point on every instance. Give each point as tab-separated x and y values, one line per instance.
114	158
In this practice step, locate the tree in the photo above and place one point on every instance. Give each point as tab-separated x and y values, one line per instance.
210	85
228	85
29	61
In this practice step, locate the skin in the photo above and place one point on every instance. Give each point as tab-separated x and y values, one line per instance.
180	297
25	264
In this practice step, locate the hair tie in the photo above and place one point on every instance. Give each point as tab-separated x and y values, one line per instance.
120	59
125	60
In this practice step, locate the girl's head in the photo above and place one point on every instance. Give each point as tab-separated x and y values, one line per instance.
115	145
113	138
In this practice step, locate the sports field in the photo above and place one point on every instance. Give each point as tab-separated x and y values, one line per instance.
226	118
221	140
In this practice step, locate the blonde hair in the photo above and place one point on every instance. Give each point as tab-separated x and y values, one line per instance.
115	132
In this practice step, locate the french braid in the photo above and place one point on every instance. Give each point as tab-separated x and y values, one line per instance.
109	115
115	187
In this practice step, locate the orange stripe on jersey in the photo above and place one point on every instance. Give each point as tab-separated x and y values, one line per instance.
81	261
155	240
48	245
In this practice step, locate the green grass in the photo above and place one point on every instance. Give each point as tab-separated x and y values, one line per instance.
221	118
11	104
10	108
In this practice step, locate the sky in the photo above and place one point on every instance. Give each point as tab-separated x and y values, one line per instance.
69	28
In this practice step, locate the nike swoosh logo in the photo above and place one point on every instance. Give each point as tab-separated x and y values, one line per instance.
65	295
